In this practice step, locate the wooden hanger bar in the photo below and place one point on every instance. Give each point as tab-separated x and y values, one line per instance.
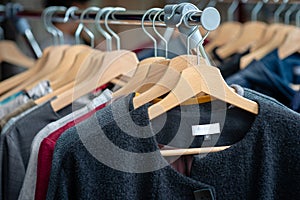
192	151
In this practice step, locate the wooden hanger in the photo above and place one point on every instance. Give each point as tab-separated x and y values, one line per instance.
65	65
290	45
113	64
192	151
10	53
270	32
66	82
54	57
227	32
12	82
194	80
81	57
251	32
168	81
276	41
140	74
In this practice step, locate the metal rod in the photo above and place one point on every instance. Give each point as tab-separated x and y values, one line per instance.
119	18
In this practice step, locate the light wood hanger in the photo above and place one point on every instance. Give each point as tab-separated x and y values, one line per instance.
60	86
10	53
137	79
194	80
290	45
276	41
12	82
251	32
54	57
113	64
192	151
65	65
226	33
80	58
270	32
168	81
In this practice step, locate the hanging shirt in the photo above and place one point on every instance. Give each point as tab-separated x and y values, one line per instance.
119	158
270	76
16	112
15	145
40	90
28	189
10	98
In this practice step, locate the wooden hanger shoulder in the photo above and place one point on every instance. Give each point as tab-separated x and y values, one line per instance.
251	32
194	80
16	80
167	81
10	53
276	41
54	57
80	58
267	36
111	66
138	77
227	32
290	45
156	71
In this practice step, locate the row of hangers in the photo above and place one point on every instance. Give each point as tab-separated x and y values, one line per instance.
261	38
9	50
74	71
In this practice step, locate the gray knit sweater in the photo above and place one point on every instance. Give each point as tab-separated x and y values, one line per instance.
114	155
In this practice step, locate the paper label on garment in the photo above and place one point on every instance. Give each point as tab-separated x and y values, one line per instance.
206	129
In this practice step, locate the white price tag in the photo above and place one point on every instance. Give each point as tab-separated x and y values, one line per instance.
206	129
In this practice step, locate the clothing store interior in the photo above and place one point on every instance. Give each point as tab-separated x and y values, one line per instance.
141	99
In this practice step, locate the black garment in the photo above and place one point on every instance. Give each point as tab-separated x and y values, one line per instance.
230	65
114	155
15	147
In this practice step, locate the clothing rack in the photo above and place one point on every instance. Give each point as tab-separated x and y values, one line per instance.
130	17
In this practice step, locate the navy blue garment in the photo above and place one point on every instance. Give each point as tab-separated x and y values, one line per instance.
295	104
270	76
230	65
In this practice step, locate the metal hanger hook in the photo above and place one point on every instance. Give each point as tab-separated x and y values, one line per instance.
69	13
105	34
200	44
279	10
188	40
159	35
231	10
289	12
257	8
298	19
49	26
146	32
184	15
81	26
120	9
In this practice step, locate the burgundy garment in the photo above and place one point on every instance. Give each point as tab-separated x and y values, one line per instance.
183	164
46	153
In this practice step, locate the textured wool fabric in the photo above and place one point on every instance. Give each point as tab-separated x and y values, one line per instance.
15	148
28	188
16	112
261	164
